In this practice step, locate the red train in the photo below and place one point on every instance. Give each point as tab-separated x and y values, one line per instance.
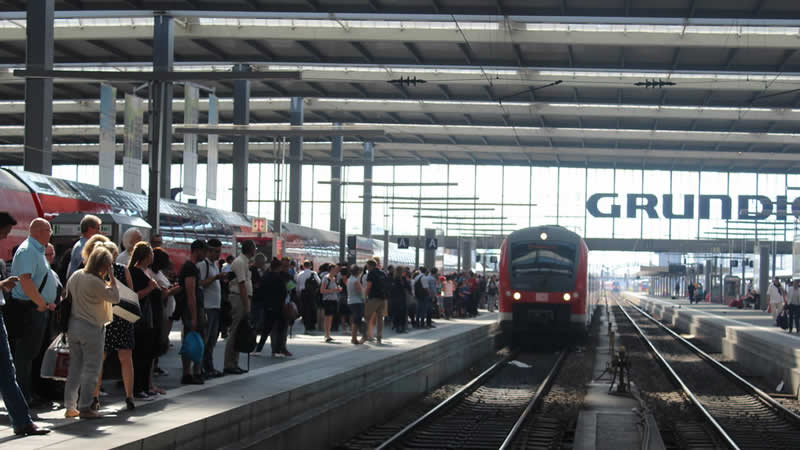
544	284
27	195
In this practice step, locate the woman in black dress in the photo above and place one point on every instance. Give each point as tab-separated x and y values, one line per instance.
147	289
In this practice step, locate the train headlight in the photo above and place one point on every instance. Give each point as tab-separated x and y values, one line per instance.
517	296
543	236
567	297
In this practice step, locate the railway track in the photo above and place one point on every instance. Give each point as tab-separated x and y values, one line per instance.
742	416
487	412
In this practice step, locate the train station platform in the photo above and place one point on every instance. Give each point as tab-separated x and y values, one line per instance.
746	336
320	396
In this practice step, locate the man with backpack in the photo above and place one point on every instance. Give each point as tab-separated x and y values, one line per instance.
308	284
376	293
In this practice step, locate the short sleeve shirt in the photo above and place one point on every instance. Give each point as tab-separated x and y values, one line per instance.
372	276
189	270
212	294
241	267
75	258
30	259
430	283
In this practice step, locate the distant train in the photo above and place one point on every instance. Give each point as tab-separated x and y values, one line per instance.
544	284
29	195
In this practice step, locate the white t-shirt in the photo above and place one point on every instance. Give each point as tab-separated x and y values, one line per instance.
163	283
793	296
774	294
124	258
241	267
212	294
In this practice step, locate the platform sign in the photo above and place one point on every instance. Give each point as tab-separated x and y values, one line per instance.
259	225
191	110
431	243
132	145
108	145
402	242
213	150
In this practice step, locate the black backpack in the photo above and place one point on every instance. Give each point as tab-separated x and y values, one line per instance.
419	289
311	290
380	285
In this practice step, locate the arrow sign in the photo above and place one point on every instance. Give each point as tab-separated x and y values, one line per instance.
402	242
431	243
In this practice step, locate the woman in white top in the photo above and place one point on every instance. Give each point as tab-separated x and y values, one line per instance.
355	301
93	291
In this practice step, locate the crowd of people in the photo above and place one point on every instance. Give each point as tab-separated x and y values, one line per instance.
209	295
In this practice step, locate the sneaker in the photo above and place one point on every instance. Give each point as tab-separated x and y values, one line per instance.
143	396
328	339
32	430
90	415
189	379
287	353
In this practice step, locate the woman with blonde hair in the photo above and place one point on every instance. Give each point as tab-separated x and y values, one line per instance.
93	291
119	333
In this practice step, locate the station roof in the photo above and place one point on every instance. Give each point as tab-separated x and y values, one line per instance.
507	82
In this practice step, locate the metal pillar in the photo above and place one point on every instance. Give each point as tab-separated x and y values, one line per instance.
763	274
336	178
241	157
342	240
386	248
295	161
467	256
160	120
161	116
430	254
369	157
39	92
709	274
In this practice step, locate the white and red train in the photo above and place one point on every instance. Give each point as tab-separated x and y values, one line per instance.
27	195
544	282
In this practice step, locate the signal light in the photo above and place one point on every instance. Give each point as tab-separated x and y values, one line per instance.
567	297
517	296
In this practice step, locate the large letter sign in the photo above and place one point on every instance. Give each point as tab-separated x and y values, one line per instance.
591	206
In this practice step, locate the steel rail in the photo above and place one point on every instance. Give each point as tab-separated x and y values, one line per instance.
477	381
660	358
763	396
544	387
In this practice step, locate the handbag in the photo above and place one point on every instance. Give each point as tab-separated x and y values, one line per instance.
783	320
128	307
290	312
55	362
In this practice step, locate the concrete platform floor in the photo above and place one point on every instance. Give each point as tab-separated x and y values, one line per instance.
313	358
745	317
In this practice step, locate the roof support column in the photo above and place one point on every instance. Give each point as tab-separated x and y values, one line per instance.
38	155
241	158
161	134
295	162
160	159
369	157
336	181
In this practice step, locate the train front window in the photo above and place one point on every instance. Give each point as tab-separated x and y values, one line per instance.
542	266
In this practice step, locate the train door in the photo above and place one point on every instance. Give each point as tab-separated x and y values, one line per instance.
263	243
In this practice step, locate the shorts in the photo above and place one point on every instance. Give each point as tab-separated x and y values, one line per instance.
356	312
375	306
330	307
187	319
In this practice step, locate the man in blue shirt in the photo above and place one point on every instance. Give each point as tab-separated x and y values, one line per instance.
12	395
34	298
90	225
